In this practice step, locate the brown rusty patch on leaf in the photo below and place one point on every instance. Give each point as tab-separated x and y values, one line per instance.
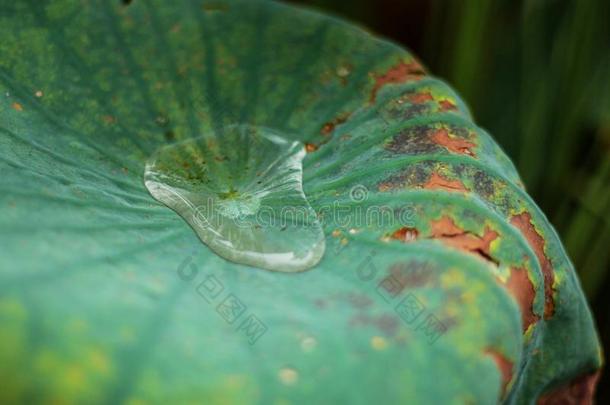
436	181
330	125
523	222
419	98
405	234
505	366
452	144
520	287
447	105
445	230
16	106
579	391
445	227
383	187
400	73
311	147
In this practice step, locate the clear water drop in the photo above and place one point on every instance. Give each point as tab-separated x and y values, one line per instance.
241	190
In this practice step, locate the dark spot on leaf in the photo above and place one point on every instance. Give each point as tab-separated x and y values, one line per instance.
483	185
412	141
412	176
408	111
359	301
386	323
408	274
320	303
169	135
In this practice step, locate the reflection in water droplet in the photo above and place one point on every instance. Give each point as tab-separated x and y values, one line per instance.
241	192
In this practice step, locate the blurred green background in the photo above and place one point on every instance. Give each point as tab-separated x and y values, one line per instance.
536	75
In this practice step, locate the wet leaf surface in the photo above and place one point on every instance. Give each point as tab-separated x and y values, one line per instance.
107	295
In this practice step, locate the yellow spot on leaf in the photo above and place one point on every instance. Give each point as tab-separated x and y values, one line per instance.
74	377
99	361
452	277
378	343
288	376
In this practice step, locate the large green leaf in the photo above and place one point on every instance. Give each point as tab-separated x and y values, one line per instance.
464	295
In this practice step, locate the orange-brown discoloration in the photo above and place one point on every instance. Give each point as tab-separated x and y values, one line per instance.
405	234
452	144
436	181
505	366
419	98
445	226
17	107
400	73
383	187
447	105
448	232
330	126
523	222
520	287
310	147
579	391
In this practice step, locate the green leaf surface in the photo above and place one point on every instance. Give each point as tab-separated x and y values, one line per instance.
463	294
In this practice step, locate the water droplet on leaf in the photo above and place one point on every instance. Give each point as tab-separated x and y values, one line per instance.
249	206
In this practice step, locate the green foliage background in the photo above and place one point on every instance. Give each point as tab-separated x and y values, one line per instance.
536	74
